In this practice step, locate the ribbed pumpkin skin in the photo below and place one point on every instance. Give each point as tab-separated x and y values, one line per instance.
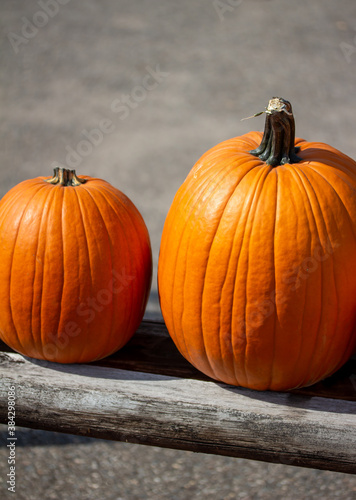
257	266
75	270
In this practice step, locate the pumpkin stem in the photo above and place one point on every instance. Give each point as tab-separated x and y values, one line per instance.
277	145
65	177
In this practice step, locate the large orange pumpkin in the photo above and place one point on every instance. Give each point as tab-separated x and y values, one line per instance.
257	266
75	268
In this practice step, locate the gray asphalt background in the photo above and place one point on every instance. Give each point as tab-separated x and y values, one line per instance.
214	62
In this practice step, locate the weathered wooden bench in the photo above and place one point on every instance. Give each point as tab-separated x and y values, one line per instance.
147	393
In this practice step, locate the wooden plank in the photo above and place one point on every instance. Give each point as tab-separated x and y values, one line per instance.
175	412
151	350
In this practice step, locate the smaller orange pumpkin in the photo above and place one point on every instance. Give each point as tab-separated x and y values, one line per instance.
75	268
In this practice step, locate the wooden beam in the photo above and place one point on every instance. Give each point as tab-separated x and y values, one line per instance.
151	350
175	412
